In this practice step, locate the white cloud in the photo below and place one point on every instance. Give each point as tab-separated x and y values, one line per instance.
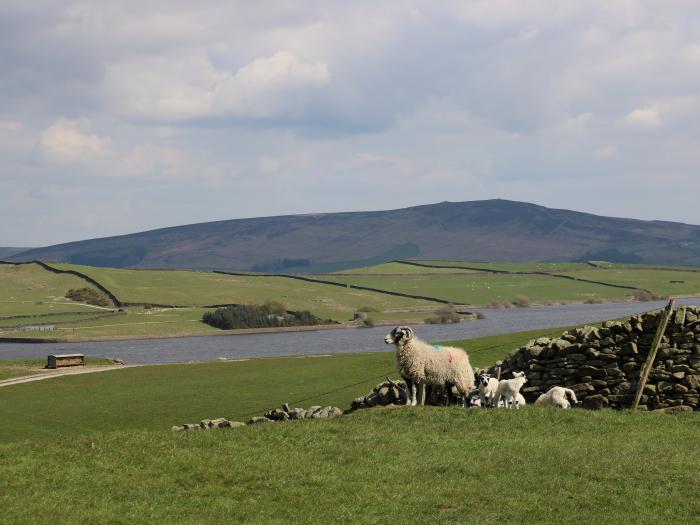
606	152
10	125
267	165
191	87
71	141
647	117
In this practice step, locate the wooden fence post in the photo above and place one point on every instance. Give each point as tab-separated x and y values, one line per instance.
644	375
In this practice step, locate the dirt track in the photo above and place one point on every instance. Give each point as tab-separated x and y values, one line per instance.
61	373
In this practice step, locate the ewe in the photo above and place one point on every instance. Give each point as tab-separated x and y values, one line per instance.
487	389
556	396
421	364
508	389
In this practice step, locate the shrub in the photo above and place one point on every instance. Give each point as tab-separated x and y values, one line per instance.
521	301
480	315
444	315
87	295
367	322
593	301
367	309
253	316
275	307
644	296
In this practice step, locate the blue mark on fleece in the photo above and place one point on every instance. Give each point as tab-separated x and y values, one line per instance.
438	347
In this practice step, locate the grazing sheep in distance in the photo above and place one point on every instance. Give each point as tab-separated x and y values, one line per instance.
487	389
419	363
557	397
508	389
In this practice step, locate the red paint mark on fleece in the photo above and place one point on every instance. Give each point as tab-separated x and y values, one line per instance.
450	358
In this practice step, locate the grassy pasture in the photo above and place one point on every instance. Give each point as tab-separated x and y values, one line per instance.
481	289
399	269
551	267
201	288
29	289
156	397
418	465
97	448
657	281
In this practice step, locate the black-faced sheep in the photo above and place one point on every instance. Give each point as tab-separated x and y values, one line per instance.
421	364
508	390
557	397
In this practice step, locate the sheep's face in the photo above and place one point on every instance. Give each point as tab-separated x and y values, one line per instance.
483	379
398	335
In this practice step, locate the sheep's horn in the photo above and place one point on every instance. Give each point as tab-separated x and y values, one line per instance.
393	383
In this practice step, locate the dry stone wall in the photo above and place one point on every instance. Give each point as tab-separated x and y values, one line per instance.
603	365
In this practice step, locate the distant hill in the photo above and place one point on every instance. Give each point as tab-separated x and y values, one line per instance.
6	252
491	230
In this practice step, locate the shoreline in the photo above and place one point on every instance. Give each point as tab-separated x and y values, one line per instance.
338	326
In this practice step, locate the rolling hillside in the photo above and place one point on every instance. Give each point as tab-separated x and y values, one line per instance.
493	230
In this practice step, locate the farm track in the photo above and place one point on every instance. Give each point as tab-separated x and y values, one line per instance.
62	373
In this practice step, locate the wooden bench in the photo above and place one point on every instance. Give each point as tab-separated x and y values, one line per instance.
61	360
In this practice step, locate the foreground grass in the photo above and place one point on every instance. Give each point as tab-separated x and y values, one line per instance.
407	465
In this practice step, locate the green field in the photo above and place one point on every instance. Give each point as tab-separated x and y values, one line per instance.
29	289
481	289
179	287
658	281
97	448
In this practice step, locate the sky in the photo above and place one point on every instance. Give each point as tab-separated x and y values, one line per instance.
118	117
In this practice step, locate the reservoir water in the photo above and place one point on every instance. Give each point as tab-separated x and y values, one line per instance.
209	348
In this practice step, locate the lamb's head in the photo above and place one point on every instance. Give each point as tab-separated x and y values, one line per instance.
483	378
520	374
400	334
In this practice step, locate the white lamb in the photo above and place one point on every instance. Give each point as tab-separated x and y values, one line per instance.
508	390
487	389
557	397
421	364
475	402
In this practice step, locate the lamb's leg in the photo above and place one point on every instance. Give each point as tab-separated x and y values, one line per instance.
423	392
517	402
414	397
482	398
408	390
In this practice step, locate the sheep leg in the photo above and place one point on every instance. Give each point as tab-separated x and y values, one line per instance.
423	390
517	403
448	393
414	397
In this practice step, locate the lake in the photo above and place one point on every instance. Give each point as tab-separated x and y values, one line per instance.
209	348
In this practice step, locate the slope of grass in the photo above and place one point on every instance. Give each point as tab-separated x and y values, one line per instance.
407	465
29	289
394	268
657	281
481	289
551	267
178	287
153	397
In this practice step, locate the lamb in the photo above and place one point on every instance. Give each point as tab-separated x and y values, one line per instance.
475	402
487	389
557	396
508	389
519	399
421	364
